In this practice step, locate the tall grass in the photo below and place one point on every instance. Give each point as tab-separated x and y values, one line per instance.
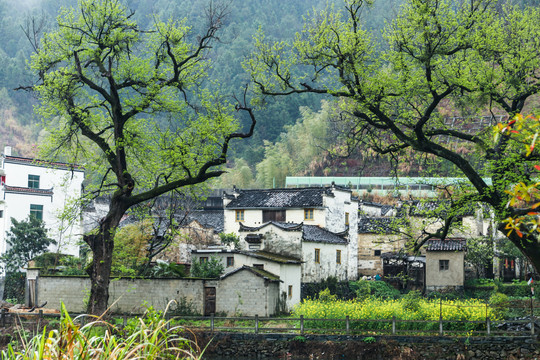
151	338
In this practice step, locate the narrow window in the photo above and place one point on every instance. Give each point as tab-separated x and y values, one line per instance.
203	259
444	265
239	215
346	218
1	214
230	261
377	253
290	291
259	266
36	211
33	181
317	256
338	256
308	214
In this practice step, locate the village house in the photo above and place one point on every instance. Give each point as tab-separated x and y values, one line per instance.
30	187
298	235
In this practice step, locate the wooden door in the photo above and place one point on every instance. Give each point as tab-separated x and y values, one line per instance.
209	300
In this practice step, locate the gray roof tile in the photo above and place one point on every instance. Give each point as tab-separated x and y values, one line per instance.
280	198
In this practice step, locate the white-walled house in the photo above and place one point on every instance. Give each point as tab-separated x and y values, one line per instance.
42	189
299	235
331	208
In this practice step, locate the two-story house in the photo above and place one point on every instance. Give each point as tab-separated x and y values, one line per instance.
30	187
299	235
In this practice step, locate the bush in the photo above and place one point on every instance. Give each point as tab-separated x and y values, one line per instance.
383	290
363	289
499	302
342	289
326	296
411	301
212	268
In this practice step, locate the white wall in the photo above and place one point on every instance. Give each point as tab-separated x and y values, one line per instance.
315	272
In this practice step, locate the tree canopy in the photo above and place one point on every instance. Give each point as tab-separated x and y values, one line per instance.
467	59
129	103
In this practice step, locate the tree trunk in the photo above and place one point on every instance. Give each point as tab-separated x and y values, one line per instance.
102	246
529	246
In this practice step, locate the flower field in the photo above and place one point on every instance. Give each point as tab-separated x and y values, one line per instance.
458	315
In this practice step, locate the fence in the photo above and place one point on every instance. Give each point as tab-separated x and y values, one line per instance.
303	326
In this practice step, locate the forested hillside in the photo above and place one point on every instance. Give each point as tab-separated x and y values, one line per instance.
278	19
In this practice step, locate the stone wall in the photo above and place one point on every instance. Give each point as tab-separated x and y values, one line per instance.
252	346
242	292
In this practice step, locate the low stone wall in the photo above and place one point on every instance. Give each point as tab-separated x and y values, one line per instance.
251	346
126	295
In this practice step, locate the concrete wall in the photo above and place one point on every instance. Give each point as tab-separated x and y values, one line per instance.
245	294
259	297
437	279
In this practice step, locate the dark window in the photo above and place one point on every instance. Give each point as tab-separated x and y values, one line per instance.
273	215
346	218
230	261
377	253
444	265
36	211
1	214
203	259
290	291
317	256
33	181
338	256
259	266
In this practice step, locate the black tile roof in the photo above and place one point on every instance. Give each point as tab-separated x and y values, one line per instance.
314	233
209	218
379	225
446	245
259	272
25	190
42	163
310	233
282	225
265	255
280	198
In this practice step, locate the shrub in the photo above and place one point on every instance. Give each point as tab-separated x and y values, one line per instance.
499	302
383	290
326	296
363	289
14	286
411	301
212	268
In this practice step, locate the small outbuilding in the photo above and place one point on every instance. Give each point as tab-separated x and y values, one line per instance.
445	264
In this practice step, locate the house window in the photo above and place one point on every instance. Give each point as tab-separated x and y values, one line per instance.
444	265
259	266
239	215
230	261
317	256
290	291
308	214
1	214
273	215
377	253
33	181
338	256
36	211
203	259
346	218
